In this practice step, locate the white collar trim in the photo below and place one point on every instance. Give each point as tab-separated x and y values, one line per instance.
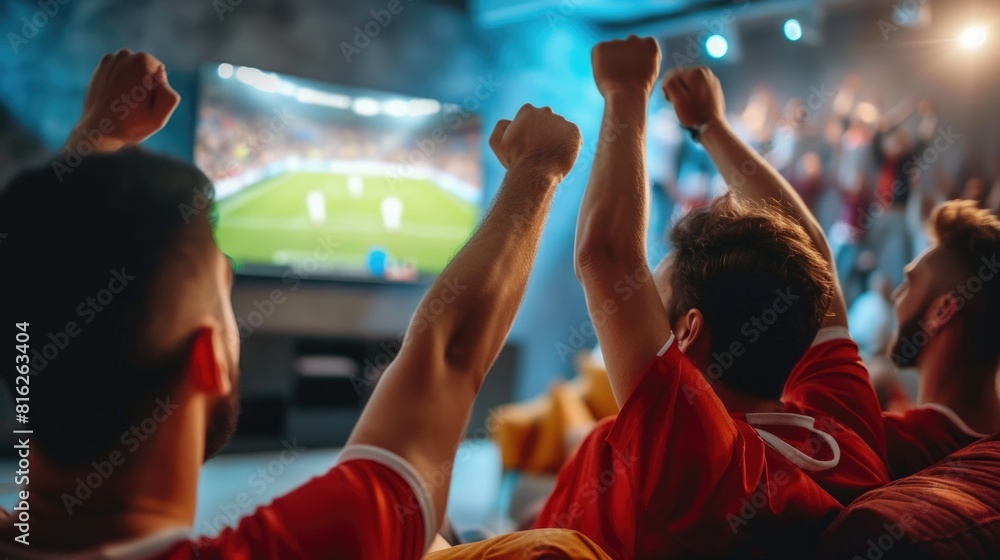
794	455
955	418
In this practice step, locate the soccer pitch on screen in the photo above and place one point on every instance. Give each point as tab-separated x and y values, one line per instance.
344	222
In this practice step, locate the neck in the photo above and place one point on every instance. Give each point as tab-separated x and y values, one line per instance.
146	484
740	403
949	377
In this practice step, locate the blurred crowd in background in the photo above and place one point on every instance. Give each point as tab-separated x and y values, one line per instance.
867	168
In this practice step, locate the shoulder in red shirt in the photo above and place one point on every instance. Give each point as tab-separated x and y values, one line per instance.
922	436
373	504
675	475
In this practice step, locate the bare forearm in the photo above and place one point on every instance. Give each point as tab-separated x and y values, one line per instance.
747	173
616	192
611	248
422	404
491	273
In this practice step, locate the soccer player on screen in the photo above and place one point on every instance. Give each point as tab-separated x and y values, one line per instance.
355	186
747	420
145	389
316	204
392	213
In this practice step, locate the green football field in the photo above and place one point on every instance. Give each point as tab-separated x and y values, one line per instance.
270	223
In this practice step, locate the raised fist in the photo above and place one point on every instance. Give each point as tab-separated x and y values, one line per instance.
696	95
128	99
629	65
537	139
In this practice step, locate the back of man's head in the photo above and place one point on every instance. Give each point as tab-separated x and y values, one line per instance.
971	237
760	284
84	255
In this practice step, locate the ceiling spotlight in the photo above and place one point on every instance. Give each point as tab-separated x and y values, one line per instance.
717	46
973	37
793	30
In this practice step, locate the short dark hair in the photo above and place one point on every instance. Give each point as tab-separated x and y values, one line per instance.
972	235
82	253
733	260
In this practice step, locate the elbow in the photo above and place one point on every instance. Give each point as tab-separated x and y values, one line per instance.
597	254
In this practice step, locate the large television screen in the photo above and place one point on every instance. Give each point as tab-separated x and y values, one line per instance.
330	181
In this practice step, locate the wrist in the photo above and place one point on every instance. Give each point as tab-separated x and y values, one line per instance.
711	129
627	96
86	138
537	171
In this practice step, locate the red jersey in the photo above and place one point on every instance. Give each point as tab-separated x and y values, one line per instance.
373	504
922	436
676	475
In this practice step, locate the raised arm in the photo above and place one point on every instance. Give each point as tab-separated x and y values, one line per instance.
611	231
698	99
420	407
128	100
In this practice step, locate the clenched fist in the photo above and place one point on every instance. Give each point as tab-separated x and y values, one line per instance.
631	65
696	95
127	101
537	139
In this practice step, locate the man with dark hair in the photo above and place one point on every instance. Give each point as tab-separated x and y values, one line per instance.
747	420
948	311
102	260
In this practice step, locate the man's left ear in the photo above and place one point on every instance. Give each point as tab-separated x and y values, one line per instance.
207	366
688	329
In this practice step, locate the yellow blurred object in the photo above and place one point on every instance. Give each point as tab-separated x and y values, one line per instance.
538	436
595	386
547	544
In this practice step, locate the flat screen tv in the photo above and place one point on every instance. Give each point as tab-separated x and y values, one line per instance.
335	182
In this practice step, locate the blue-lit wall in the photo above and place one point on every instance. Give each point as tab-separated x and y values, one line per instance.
533	51
426	49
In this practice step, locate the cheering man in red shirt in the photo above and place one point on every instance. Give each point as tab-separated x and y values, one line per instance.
948	310
143	389
747	420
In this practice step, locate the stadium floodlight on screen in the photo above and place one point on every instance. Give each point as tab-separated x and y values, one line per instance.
319	180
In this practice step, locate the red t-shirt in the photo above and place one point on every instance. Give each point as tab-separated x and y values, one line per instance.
922	436
372	505
676	475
